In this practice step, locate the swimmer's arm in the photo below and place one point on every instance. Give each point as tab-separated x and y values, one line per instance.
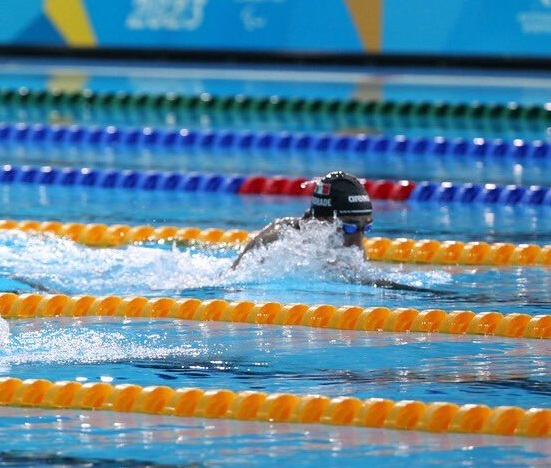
268	235
34	285
388	284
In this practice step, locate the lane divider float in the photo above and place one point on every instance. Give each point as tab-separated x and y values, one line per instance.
400	320
402	190
273	107
103	235
401	250
270	143
259	406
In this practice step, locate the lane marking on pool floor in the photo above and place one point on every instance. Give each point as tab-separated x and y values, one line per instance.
277	407
370	319
271	74
402	250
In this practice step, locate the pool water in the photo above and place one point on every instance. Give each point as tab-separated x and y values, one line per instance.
418	167
308	267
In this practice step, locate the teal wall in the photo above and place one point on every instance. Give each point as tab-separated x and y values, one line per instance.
515	28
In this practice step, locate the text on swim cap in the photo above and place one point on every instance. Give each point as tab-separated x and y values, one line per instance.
321	201
358	198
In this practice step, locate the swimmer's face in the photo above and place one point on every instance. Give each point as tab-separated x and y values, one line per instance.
360	222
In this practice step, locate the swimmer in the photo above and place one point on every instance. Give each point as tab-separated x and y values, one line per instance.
341	199
338	198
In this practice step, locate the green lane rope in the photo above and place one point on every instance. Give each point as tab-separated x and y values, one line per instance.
271	106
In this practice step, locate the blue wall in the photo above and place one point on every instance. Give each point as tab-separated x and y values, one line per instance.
516	28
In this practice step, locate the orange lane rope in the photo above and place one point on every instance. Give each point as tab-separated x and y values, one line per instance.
277	407
400	320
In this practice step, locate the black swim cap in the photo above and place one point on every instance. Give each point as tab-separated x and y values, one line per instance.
341	194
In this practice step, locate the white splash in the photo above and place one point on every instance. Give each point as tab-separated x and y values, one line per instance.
47	342
313	254
316	253
4	332
66	266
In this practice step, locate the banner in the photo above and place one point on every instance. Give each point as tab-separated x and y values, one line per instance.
518	28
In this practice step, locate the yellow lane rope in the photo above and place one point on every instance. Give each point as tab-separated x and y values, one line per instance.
277	407
377	248
102	235
398	320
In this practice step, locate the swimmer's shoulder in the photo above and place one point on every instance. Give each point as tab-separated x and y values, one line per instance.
267	235
272	231
285	222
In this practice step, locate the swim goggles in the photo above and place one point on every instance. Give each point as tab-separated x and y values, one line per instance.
354	228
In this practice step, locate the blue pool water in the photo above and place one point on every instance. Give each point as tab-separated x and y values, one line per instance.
307	267
419	167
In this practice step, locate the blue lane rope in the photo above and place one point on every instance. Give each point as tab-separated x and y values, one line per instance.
272	142
122	179
444	192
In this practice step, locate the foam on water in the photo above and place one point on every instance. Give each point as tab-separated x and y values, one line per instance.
64	341
4	332
62	265
310	255
315	253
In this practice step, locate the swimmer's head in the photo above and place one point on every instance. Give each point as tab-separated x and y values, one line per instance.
339	194
342	196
